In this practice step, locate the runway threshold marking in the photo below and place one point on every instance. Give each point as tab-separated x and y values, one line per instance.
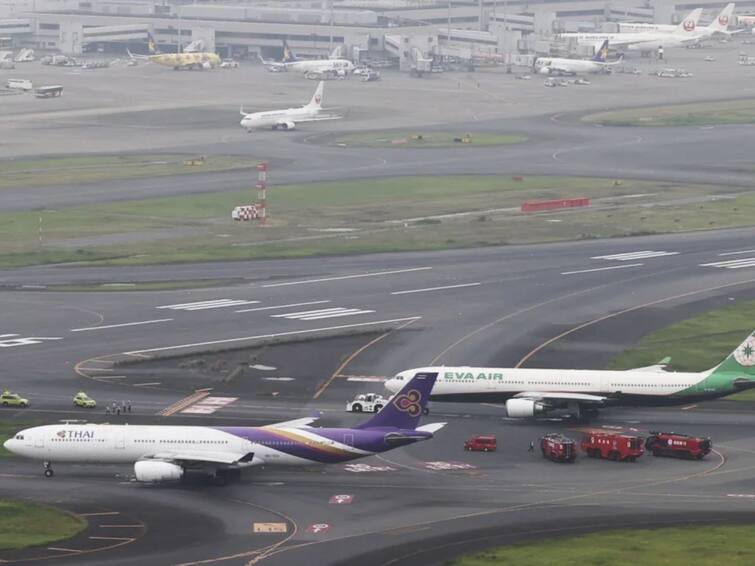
625	311
626	266
274	335
342	277
204	305
291	305
354	354
183	403
628	256
427	289
105	327
737	253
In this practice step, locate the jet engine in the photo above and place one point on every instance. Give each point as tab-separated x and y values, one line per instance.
524	408
545	70
206	65
287	125
155	470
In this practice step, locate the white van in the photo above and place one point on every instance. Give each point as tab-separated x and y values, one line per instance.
19	84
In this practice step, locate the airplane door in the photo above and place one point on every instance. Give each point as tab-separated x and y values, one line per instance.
120	439
348	439
39	440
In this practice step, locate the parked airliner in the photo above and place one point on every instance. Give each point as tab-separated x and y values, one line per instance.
162	453
533	392
562	66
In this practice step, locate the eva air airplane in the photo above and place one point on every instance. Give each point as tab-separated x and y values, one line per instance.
535	392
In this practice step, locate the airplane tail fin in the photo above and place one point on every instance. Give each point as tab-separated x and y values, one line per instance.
406	407
689	24
316	101
601	55
741	361
721	23
288	55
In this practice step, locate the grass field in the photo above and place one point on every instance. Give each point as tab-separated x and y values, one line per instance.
429	139
695	344
701	546
31	524
92	169
363	216
697	114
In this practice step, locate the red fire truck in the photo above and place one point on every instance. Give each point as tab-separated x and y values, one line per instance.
613	446
679	445
558	448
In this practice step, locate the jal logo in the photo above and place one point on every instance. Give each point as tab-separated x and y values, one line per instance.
318	98
409	403
689	25
723	20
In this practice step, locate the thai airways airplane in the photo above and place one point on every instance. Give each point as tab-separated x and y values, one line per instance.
560	65
162	453
292	63
287	119
533	392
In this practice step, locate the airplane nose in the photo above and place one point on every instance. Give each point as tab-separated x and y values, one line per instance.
8	445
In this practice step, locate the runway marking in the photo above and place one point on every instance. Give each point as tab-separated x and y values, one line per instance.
322	313
204	305
100	514
209	405
354	354
183	403
11	340
97	369
58	549
628	256
155	321
732	263
737	253
269	527
137	526
284	306
112	377
602	268
688	408
112	538
436	288
275	335
146	384
342	277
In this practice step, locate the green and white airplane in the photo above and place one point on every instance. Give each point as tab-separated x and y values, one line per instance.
535	392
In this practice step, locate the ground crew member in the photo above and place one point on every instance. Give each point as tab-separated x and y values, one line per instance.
660	52
532	447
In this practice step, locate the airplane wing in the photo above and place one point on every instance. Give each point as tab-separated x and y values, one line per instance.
224	458
581	398
296	423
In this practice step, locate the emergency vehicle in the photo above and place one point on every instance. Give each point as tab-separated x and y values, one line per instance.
367	403
558	448
481	443
679	445
613	446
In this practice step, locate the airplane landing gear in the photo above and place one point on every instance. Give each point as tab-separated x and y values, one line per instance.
48	470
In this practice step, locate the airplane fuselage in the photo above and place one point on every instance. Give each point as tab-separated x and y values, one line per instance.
273	118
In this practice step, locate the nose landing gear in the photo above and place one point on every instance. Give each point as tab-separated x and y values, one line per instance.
48	470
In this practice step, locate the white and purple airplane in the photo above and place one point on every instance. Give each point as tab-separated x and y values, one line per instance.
163	453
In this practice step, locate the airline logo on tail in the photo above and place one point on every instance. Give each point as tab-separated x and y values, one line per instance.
689	25
745	354
151	44
409	402
723	20
602	53
288	55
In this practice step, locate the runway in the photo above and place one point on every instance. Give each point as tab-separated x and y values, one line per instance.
312	333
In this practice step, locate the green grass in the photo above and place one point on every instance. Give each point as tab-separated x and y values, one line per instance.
695	344
701	546
31	524
368	215
9	428
697	114
426	139
92	169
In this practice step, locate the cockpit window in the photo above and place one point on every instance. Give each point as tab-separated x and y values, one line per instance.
19	437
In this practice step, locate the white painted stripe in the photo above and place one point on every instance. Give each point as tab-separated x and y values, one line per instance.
307	313
111	377
155	321
274	335
645	254
732	263
602	268
195	303
368	379
336	314
436	288
372	274
284	306
202	305
146	384
738	253
220	306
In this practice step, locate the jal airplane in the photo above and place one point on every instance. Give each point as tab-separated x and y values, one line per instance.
719	25
291	63
164	453
288	118
563	66
534	392
643	41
